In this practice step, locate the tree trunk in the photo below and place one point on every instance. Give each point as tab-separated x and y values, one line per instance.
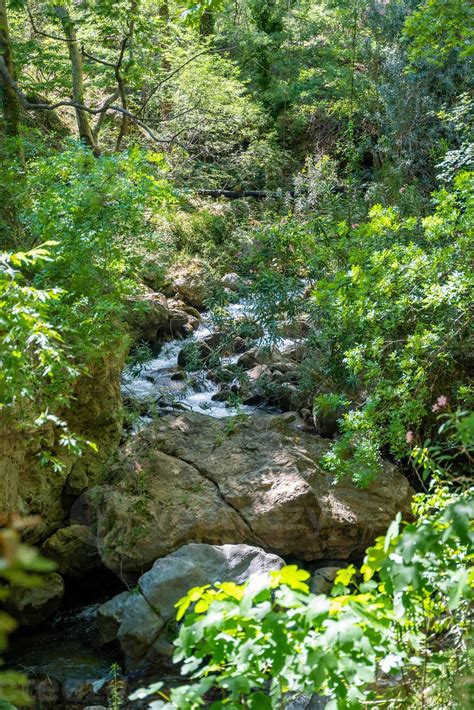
10	101
206	24
77	70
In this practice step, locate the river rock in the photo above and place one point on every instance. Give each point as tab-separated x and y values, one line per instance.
147	613
259	356
141	625
76	691
178	320
45	692
110	616
193	478
231	281
74	549
258	371
285	396
239	345
294	352
33	606
296	328
190	310
149	316
192	284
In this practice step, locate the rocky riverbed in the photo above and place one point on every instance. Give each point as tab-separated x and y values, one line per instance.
218	477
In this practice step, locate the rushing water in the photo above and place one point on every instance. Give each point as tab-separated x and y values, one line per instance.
155	379
158	380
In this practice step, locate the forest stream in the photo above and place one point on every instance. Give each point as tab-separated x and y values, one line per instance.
236	328
66	650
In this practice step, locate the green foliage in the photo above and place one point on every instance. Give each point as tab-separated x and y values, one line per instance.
329	403
451	455
65	307
36	365
21	566
259	643
193	10
116	688
224	132
398	318
391	316
439	27
103	214
460	120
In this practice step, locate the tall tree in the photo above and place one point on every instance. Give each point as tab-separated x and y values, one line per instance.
77	71
10	100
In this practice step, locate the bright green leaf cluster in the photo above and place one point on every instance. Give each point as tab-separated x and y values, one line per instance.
259	644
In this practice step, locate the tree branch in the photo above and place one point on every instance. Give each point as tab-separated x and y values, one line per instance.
28	106
176	115
103	111
44	34
112	65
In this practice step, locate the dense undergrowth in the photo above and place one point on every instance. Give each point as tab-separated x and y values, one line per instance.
390	318
353	123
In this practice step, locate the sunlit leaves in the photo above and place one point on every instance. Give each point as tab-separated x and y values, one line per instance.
33	355
292	577
440	27
270	637
396	320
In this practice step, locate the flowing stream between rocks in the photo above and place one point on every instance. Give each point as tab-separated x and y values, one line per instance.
272	457
63	656
160	378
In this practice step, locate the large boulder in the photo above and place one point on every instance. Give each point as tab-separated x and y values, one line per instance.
95	414
140	619
32	606
192	283
193	478
149	316
74	549
158	504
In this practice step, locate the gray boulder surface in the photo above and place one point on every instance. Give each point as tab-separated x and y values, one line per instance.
139	619
193	478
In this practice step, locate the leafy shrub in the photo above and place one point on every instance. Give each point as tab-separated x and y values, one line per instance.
103	215
65	308
261	642
397	320
390	317
440	27
36	365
